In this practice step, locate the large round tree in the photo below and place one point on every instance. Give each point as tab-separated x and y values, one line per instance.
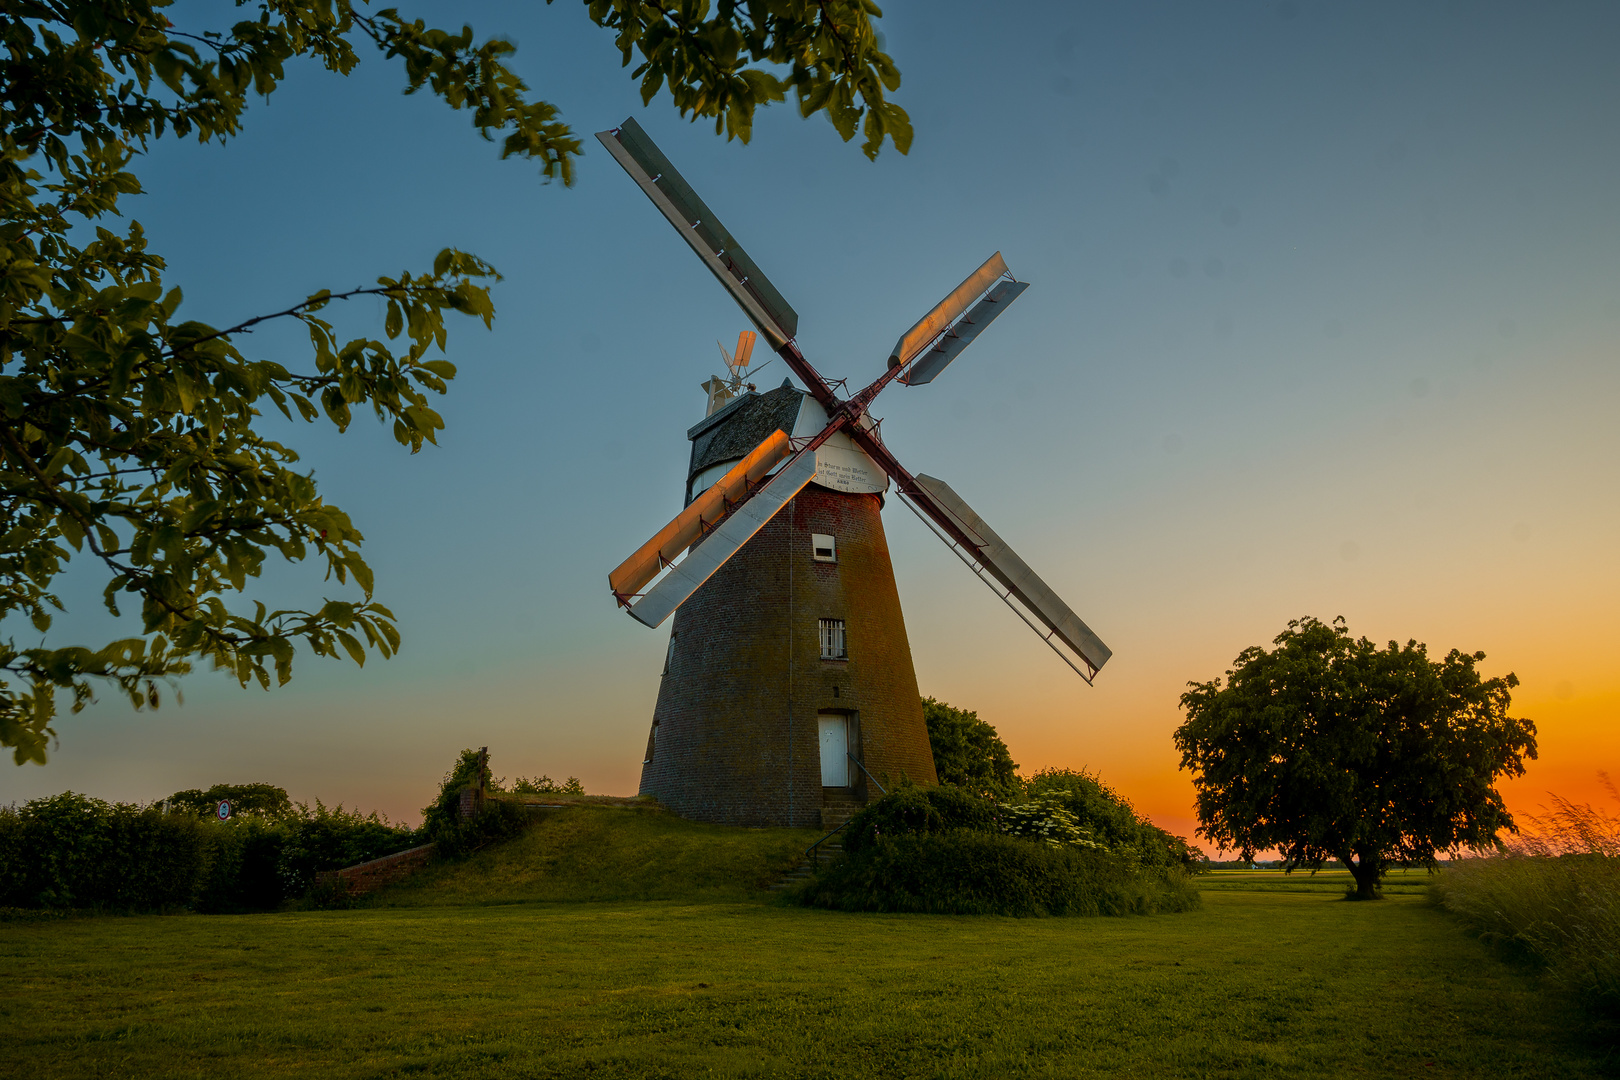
1328	747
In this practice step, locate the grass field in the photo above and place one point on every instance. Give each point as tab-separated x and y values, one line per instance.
1333	883
1270	979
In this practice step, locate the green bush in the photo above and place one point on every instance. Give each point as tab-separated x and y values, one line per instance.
545	785
910	810
246	870
1047	820
965	872
442	825
943	849
329	839
59	844
501	819
70	850
152	861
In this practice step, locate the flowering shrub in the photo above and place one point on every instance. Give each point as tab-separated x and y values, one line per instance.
1111	819
1046	820
943	849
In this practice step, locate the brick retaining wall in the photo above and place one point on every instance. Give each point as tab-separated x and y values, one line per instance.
367	876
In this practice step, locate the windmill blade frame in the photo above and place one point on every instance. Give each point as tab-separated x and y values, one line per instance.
688	575
931	325
702	514
918	357
992	555
721	253
928	366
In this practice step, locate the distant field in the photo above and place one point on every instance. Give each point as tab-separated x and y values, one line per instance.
1274	977
1322	883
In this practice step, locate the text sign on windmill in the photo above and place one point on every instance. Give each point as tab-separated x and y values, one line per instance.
842	450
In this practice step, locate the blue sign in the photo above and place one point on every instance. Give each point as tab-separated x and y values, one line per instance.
223	810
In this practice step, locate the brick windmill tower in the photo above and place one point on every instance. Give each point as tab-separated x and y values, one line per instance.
788	687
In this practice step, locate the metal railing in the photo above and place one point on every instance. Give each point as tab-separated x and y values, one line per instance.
869	776
813	852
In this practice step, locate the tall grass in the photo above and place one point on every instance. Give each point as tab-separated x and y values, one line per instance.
1551	894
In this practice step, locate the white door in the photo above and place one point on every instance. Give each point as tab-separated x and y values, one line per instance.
834	729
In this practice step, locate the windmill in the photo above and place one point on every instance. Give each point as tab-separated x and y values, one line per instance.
776	620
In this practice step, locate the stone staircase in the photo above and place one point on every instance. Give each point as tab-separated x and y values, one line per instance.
833	815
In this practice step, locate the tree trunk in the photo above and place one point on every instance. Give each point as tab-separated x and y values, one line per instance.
1366	870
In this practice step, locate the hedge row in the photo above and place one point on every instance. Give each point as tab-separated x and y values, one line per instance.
73	851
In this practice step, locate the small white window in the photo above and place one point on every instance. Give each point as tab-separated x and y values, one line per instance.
824	547
832	640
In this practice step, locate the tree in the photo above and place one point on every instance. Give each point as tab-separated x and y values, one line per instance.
130	438
968	752
258	800
1328	747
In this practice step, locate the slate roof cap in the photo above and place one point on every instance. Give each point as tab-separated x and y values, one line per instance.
741	425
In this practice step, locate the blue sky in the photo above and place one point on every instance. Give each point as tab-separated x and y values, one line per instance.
1323	321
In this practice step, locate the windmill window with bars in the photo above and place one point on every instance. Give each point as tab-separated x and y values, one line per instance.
832	640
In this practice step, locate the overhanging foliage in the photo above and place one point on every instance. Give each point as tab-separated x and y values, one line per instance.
130	437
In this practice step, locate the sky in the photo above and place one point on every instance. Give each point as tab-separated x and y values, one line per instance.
1323	321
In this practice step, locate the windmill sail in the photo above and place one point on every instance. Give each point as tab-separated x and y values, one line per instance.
688	527
1003	564
693	219
960	336
931	325
686	576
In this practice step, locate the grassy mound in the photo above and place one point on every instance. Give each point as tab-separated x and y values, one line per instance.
593	852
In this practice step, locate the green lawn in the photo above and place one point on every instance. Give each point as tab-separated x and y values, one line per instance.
1257	984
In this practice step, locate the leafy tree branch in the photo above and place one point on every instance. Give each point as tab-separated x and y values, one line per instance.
132	438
